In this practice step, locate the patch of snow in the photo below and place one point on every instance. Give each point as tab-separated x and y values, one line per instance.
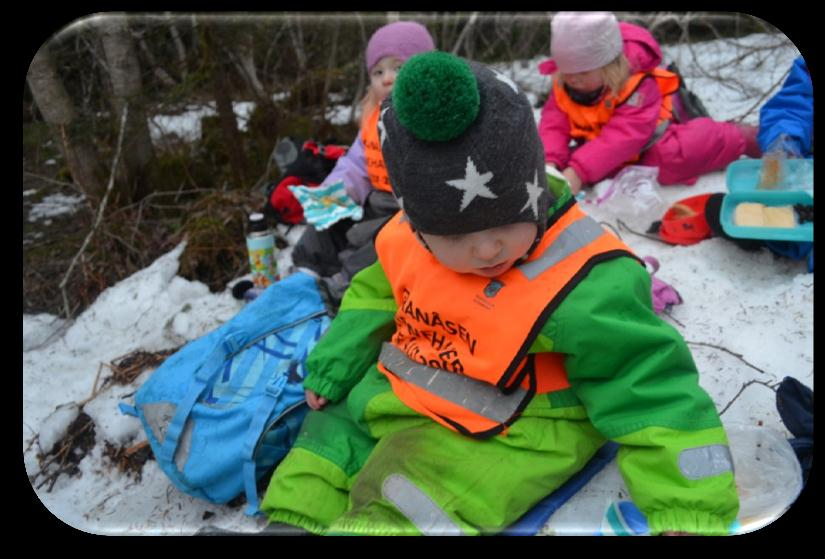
55	205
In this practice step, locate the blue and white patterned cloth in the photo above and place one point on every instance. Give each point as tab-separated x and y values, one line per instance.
326	205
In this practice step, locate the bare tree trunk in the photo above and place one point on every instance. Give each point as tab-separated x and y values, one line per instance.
333	52
226	114
362	74
297	36
58	111
464	33
124	76
161	74
180	49
244	53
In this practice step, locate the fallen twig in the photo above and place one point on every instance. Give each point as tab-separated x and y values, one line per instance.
622	224
726	350
744	386
671	317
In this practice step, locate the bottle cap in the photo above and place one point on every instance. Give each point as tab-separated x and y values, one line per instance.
257	222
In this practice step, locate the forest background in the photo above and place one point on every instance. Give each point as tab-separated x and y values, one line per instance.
97	88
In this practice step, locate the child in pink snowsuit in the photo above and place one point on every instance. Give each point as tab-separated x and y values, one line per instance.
612	99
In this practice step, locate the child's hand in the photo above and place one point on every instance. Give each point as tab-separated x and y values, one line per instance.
315	402
573	180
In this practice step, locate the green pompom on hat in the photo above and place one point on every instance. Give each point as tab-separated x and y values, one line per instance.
436	96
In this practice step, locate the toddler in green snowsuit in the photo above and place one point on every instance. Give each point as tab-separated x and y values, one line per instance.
499	340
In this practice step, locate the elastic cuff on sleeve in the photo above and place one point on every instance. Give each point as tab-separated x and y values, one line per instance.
691	521
329	390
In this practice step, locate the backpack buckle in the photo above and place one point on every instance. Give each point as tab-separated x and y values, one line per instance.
276	386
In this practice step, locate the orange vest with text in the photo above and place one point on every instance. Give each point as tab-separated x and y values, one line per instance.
459	353
586	122
376	169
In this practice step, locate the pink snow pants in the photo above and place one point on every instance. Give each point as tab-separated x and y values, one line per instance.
687	150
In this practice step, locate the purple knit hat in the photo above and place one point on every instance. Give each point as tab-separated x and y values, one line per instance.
402	39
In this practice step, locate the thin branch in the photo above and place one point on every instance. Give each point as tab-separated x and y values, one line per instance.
744	386
464	32
726	350
101	209
623	225
671	317
72	185
765	95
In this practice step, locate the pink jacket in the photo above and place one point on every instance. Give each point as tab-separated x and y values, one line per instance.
628	131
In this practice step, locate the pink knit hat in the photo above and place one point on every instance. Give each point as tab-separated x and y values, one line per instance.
584	41
402	39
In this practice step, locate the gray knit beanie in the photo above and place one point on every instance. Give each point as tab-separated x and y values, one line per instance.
461	147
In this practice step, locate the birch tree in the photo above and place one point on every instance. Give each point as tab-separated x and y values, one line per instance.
58	111
124	75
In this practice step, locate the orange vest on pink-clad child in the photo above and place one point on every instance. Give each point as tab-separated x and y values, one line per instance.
586	122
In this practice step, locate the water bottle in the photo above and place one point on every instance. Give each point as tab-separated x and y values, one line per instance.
260	243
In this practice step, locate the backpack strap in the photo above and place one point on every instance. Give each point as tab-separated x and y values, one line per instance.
228	345
269	399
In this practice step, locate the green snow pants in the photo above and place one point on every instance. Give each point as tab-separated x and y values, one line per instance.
371	465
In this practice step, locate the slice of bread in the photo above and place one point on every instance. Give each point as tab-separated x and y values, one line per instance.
749	214
781	216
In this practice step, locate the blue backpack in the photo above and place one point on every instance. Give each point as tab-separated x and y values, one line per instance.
225	409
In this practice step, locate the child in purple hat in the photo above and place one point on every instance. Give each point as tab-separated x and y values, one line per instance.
362	168
336	254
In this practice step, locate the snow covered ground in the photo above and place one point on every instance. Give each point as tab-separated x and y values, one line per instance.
747	317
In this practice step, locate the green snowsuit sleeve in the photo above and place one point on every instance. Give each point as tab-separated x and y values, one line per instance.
636	378
353	341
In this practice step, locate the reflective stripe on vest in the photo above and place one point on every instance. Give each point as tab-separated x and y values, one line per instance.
460	349
574	237
477	396
376	169
586	122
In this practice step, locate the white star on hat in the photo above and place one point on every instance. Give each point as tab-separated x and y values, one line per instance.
533	193
505	79
382	130
473	184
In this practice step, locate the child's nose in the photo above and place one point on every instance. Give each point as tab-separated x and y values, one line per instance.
487	249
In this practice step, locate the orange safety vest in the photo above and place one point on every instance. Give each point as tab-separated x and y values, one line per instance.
586	122
459	353
376	169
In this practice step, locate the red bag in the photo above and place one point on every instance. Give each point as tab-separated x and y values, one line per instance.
685	222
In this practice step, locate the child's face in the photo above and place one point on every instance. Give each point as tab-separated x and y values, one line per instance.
488	253
585	82
382	75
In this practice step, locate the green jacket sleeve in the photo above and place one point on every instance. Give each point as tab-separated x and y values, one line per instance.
636	378
353	341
